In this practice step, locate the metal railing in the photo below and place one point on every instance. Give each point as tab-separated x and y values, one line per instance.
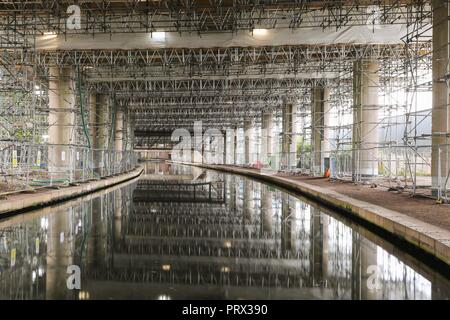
395	166
26	167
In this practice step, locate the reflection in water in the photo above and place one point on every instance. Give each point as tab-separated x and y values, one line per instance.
183	232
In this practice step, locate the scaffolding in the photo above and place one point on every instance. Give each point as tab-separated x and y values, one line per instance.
163	89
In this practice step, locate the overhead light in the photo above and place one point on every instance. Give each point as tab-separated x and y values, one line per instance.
158	36
260	32
166	267
83	295
225	269
50	34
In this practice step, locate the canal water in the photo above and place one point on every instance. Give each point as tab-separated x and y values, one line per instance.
186	233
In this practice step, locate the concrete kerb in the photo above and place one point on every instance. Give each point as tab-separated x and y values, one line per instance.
24	202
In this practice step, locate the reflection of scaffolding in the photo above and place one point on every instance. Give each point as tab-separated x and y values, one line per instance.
288	244
169	88
173	191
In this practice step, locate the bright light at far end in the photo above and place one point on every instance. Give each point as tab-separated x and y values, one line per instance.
50	35
260	32
158	36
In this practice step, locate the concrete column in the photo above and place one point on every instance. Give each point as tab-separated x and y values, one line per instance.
235	146
230	148
103	121
288	147
118	133
287	227
249	141
364	264
440	156
319	241
118	198
93	119
225	148
59	255
266	210
249	203
320	109
365	118
266	137
61	99
126	131
97	247
232	185
328	144
369	265
101	126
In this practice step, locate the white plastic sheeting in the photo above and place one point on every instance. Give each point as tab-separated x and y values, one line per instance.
361	35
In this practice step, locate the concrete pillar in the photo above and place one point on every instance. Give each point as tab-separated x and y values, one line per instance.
328	144
266	210
103	121
61	132
369	268
319	241
93	119
440	156
364	268
97	247
101	126
59	255
118	214
249	141
118	133
288	147
249	203
320	109
225	148
287	227
266	137
365	118
235	146
230	148
232	186
248	207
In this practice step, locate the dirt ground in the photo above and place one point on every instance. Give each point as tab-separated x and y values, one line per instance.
421	208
